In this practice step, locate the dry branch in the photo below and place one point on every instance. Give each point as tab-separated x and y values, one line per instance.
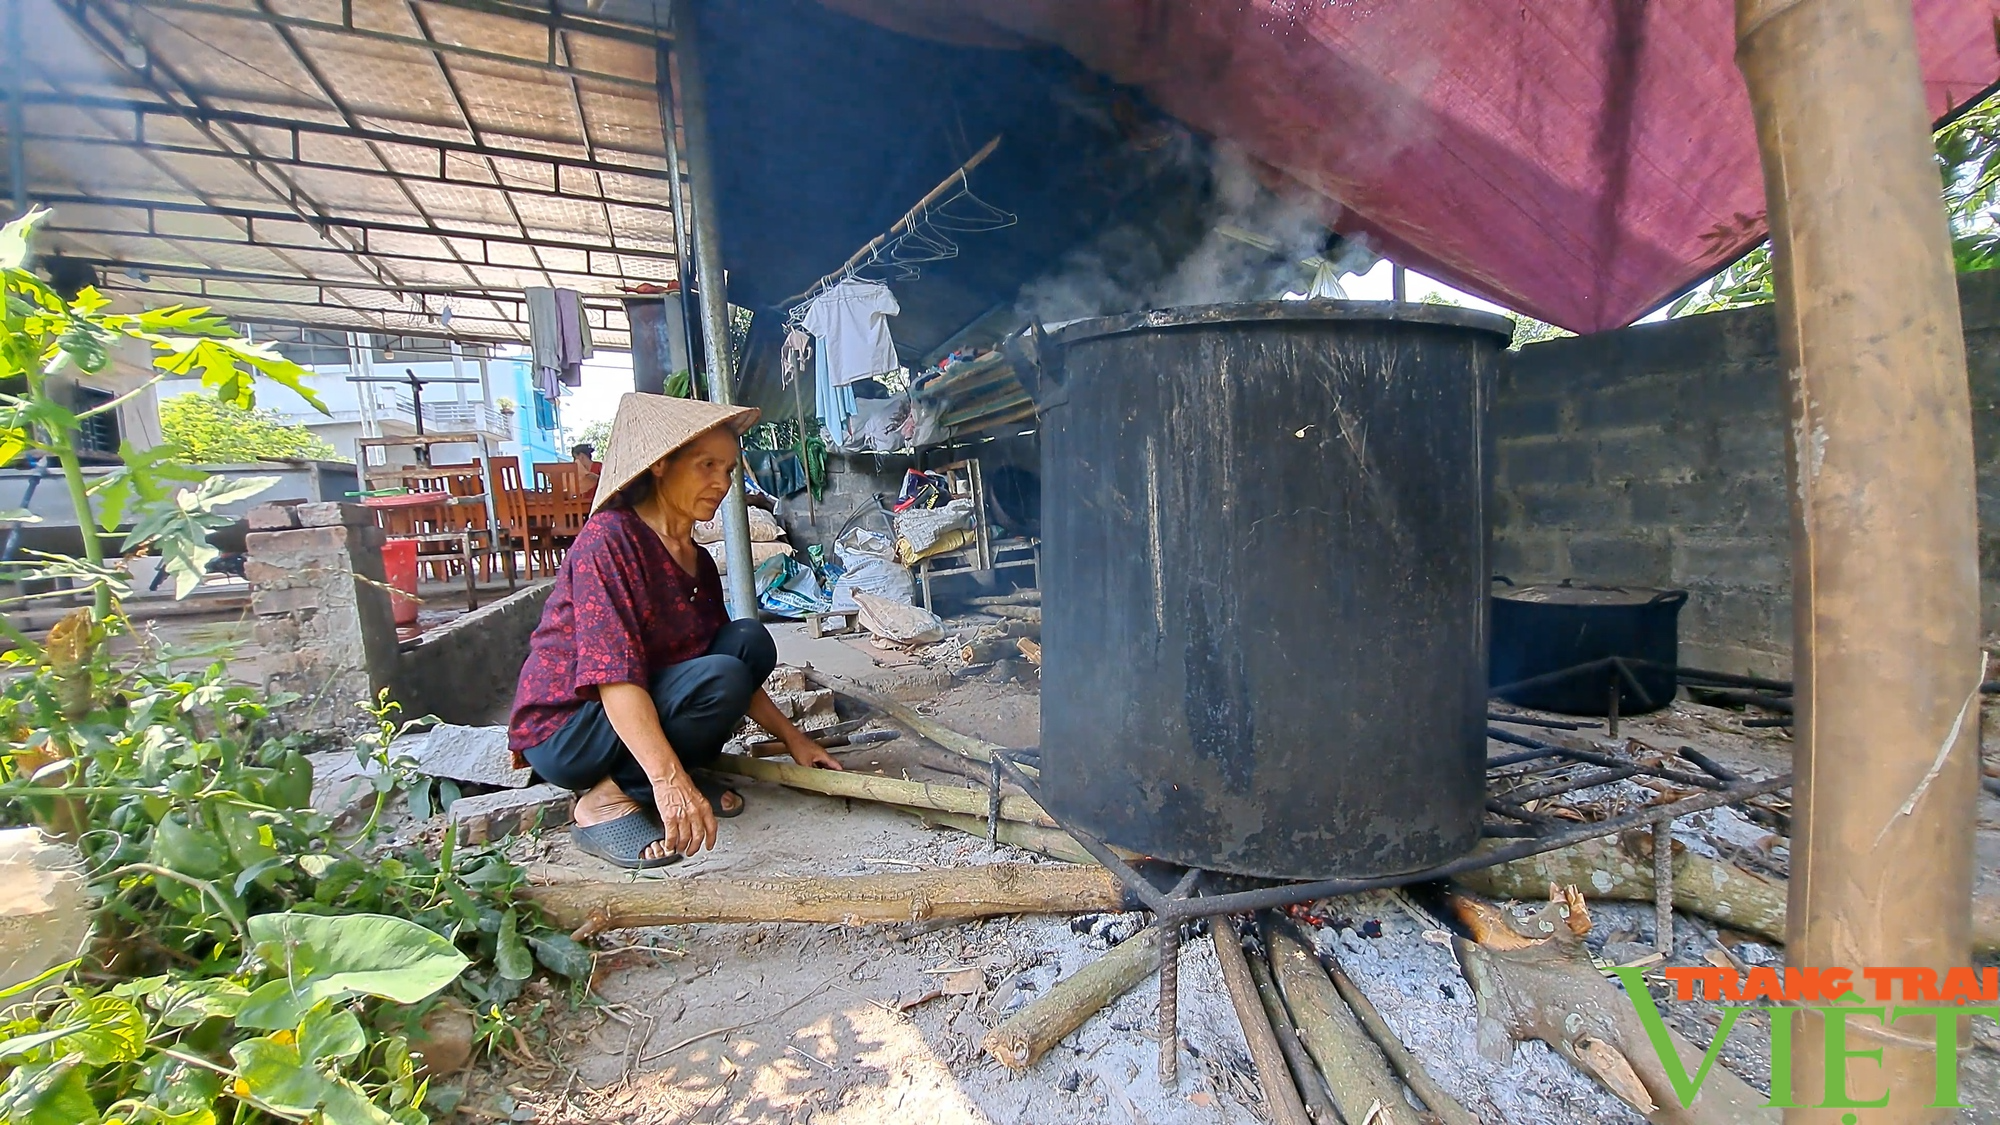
1353	1066
1019	597
853	900
1442	1105
1029	1033
1549	990
1621	869
887	790
1274	1077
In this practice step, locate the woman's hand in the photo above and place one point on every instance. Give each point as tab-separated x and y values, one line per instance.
806	752
686	820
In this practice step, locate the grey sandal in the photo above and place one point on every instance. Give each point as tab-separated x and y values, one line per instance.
623	842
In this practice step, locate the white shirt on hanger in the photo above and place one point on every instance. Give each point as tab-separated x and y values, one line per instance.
851	321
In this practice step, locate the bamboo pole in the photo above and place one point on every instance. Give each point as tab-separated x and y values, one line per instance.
888	790
1885	566
589	906
1363	1088
1051	842
1029	1033
1274	1077
978	749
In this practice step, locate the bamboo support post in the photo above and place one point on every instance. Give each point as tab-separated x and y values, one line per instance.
1305	1076
1029	1033
1885	571
887	790
1353	1066
1442	1106
1274	1077
589	906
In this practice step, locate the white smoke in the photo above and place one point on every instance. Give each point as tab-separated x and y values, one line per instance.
1253	248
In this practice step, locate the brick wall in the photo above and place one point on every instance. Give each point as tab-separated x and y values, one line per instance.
1655	455
850	480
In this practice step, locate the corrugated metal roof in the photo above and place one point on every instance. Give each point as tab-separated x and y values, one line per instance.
359	164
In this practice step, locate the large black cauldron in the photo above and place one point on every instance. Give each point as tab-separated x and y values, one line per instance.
1263	585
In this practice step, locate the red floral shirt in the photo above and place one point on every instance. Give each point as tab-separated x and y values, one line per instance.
621	611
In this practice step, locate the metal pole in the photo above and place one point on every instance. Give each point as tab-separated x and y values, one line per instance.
1885	572
1399	284
677	201
740	581
17	124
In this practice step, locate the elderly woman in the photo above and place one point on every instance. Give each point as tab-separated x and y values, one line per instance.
636	675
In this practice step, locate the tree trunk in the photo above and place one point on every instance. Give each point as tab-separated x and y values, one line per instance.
589	907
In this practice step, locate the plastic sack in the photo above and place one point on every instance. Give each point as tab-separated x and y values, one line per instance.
921	532
788	588
878	577
898	622
764	528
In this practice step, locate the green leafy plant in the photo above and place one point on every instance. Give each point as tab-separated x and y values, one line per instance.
244	962
212	432
45	338
1968	159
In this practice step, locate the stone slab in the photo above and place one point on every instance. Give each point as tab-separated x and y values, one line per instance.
491	816
475	754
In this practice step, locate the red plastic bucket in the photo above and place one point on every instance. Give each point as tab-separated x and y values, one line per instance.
399	559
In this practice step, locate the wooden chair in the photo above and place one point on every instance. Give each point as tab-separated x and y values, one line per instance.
569	496
510	510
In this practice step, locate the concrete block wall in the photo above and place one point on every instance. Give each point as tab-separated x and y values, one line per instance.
1655	456
850	480
323	618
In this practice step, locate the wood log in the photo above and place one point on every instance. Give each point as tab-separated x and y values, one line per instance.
1029	1033
1549	990
1305	1075
589	906
45	904
978	749
1442	1105
1620	869
887	790
1363	1087
1274	1076
1030	649
987	651
1017	612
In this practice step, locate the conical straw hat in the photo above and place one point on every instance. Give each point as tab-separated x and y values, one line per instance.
648	427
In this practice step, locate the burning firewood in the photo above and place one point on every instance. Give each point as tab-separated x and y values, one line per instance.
1542	985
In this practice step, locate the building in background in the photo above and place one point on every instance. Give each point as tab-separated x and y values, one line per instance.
468	388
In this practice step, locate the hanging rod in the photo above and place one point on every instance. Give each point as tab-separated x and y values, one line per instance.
903	224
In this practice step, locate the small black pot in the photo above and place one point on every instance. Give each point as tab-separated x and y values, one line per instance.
1537	630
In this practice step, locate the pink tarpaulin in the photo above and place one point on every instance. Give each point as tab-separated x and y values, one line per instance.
1581	161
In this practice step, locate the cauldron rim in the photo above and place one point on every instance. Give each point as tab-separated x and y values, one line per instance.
1250	312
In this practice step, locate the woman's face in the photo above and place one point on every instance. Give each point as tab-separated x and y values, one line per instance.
694	479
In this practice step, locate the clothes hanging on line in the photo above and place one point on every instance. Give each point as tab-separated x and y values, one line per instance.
558	337
835	403
851	322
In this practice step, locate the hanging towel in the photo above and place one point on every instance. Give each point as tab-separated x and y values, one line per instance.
544	331
573	337
851	321
836	404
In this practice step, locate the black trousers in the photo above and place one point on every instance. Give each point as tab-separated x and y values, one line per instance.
701	702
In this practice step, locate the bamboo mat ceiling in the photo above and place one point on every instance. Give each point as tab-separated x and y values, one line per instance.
361	165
